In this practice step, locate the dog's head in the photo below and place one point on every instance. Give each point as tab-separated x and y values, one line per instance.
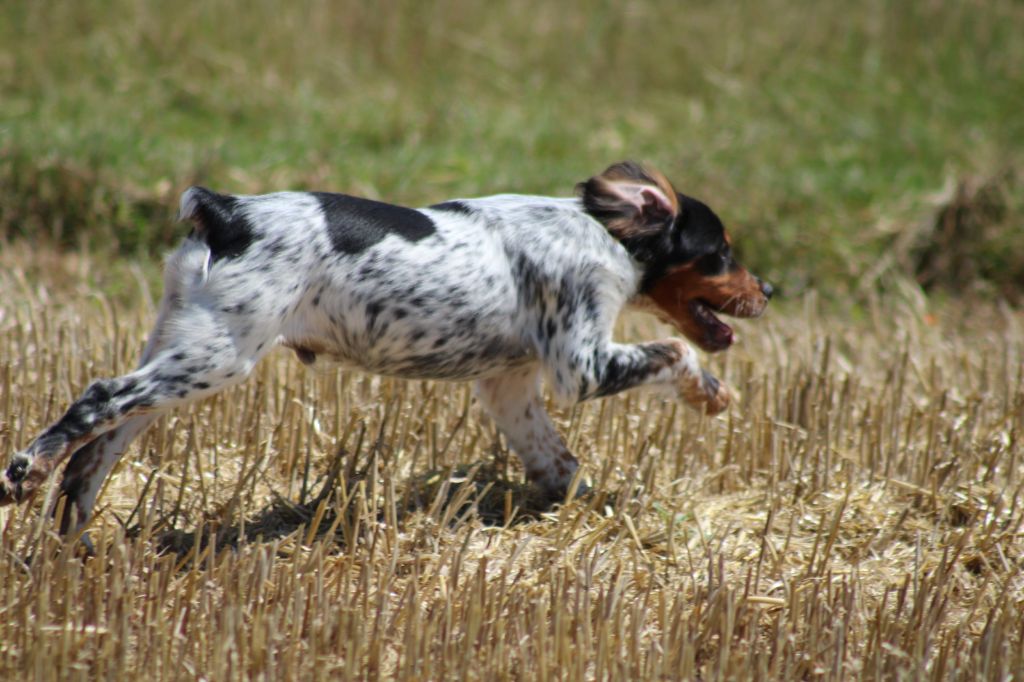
689	272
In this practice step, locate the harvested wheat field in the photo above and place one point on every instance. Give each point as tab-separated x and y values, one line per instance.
856	514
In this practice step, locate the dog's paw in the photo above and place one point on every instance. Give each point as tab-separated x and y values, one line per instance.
705	393
559	482
6	491
11	492
718	394
17	482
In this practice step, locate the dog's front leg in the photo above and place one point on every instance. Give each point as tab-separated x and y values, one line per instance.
610	368
514	402
697	386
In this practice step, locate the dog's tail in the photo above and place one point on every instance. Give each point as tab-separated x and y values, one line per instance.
217	220
205	209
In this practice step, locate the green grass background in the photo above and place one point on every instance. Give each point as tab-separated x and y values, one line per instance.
820	131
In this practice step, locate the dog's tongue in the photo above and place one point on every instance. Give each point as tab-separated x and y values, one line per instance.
722	334
717	334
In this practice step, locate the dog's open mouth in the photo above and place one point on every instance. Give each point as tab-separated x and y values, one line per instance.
717	335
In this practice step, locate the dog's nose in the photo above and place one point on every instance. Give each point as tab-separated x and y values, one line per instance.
766	289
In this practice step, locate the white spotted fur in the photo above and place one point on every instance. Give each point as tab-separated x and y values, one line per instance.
505	264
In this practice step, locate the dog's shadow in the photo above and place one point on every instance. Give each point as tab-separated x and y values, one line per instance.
340	508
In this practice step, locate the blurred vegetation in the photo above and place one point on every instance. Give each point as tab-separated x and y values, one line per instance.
831	136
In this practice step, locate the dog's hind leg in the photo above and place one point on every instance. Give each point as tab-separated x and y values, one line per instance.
187	370
200	351
90	464
514	401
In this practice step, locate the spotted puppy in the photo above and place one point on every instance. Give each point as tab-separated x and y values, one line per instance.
503	291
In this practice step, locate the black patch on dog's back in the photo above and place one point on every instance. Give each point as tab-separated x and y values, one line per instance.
355	224
220	224
454	207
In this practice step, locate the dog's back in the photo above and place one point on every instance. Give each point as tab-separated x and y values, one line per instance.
459	290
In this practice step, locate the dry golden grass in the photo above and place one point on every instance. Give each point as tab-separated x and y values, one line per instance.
856	514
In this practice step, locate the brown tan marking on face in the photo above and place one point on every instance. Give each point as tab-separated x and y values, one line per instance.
688	299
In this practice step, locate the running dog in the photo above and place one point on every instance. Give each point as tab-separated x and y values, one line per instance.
504	291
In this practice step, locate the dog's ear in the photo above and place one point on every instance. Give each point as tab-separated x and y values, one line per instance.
631	200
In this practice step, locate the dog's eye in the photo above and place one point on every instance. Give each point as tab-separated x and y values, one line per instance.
713	264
